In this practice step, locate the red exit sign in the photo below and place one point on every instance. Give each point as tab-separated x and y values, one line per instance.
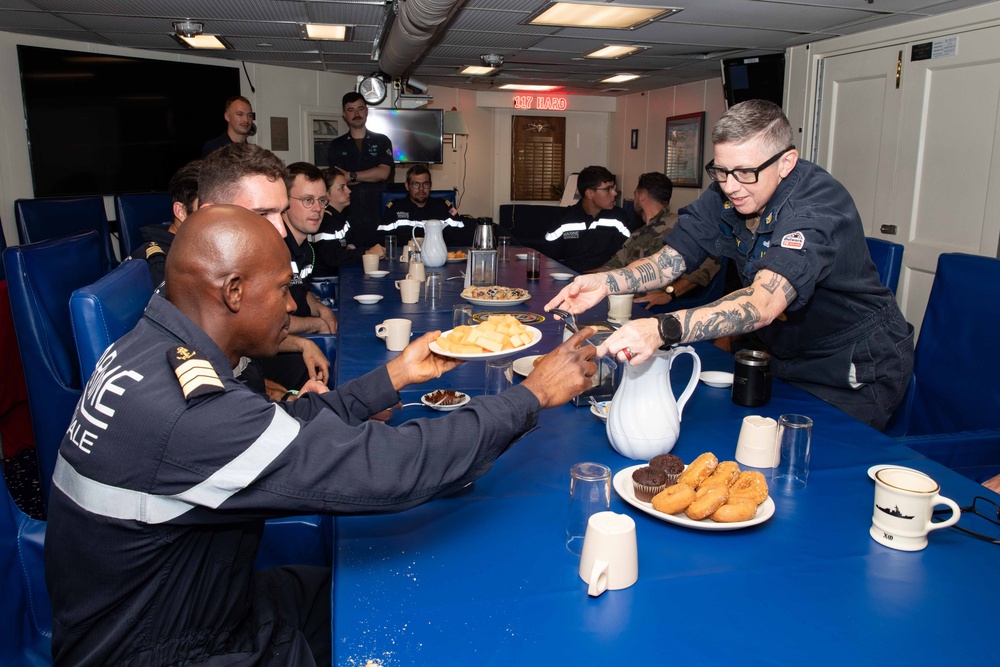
541	102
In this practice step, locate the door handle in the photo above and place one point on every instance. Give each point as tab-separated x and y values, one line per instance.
888	229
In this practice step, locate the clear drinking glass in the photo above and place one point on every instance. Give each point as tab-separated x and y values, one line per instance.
534	266
391	249
503	248
499	376
461	315
794	439
589	493
432	290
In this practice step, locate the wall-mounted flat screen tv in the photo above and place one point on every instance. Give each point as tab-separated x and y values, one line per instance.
756	78
416	134
100	124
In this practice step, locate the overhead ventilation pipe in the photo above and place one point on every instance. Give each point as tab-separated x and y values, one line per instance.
417	21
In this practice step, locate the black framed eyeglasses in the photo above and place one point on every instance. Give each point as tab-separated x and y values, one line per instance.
981	507
743	175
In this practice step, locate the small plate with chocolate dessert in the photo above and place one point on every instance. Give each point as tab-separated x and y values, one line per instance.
444	400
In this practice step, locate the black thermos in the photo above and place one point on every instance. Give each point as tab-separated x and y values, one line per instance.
752	378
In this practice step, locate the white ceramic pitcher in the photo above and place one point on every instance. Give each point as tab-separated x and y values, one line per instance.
435	252
645	418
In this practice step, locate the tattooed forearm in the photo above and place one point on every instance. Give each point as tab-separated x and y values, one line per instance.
774	283
744	318
611	282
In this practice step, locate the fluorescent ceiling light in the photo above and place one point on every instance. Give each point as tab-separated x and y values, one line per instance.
614	51
599	15
202	42
478	70
337	33
620	78
539	89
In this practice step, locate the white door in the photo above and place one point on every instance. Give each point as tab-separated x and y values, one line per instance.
948	170
856	139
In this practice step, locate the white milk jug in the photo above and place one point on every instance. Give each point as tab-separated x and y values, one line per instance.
645	418
435	252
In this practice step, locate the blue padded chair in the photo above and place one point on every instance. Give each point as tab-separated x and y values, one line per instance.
44	219
950	411
136	211
105	311
41	277
25	610
888	258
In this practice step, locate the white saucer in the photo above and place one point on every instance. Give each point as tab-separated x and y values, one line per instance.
601	414
717	379
524	365
368	299
376	274
562	276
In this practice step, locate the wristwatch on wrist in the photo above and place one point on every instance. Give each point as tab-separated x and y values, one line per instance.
669	289
354	177
670	331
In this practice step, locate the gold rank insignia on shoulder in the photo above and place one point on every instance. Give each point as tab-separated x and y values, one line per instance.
196	376
154	249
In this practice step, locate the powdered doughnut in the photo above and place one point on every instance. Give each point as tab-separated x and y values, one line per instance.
707	501
726	473
673	499
750	484
737	509
699	470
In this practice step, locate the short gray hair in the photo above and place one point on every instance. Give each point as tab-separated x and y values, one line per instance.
752	119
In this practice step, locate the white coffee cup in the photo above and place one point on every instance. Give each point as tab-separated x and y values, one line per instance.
409	290
757	445
610	558
370	262
395	333
620	307
904	502
416	272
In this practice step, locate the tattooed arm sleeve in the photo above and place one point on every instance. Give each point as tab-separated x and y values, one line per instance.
740	312
649	273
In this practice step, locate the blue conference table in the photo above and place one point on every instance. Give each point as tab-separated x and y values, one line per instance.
483	577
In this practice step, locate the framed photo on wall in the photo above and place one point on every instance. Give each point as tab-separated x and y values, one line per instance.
685	139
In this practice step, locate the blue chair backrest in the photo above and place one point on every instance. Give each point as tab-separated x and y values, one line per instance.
388	195
107	310
955	365
44	219
135	212
888	258
25	610
40	278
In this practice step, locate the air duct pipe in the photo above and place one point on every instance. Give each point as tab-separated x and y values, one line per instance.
417	21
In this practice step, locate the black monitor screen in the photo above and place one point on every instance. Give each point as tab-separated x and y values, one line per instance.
416	134
102	125
757	78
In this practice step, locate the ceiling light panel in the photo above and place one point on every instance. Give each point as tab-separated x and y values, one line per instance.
614	51
528	87
203	42
598	15
620	78
478	70
325	31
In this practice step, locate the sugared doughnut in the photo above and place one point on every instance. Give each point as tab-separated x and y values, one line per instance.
750	484
708	500
726	473
699	470
740	508
673	499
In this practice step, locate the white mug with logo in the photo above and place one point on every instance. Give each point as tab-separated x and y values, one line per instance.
904	501
395	332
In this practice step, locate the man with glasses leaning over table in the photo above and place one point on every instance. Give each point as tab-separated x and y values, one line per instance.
811	292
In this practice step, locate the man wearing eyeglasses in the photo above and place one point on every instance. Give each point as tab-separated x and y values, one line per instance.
593	229
811	293
306	201
418	206
239	125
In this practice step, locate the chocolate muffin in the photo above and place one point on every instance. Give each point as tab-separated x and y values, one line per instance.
672	466
647	482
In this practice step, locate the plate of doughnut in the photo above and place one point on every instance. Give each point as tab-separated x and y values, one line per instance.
624	487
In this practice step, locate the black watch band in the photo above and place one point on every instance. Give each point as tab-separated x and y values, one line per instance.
670	330
354	177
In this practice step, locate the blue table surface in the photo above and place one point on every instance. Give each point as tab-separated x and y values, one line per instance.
483	577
